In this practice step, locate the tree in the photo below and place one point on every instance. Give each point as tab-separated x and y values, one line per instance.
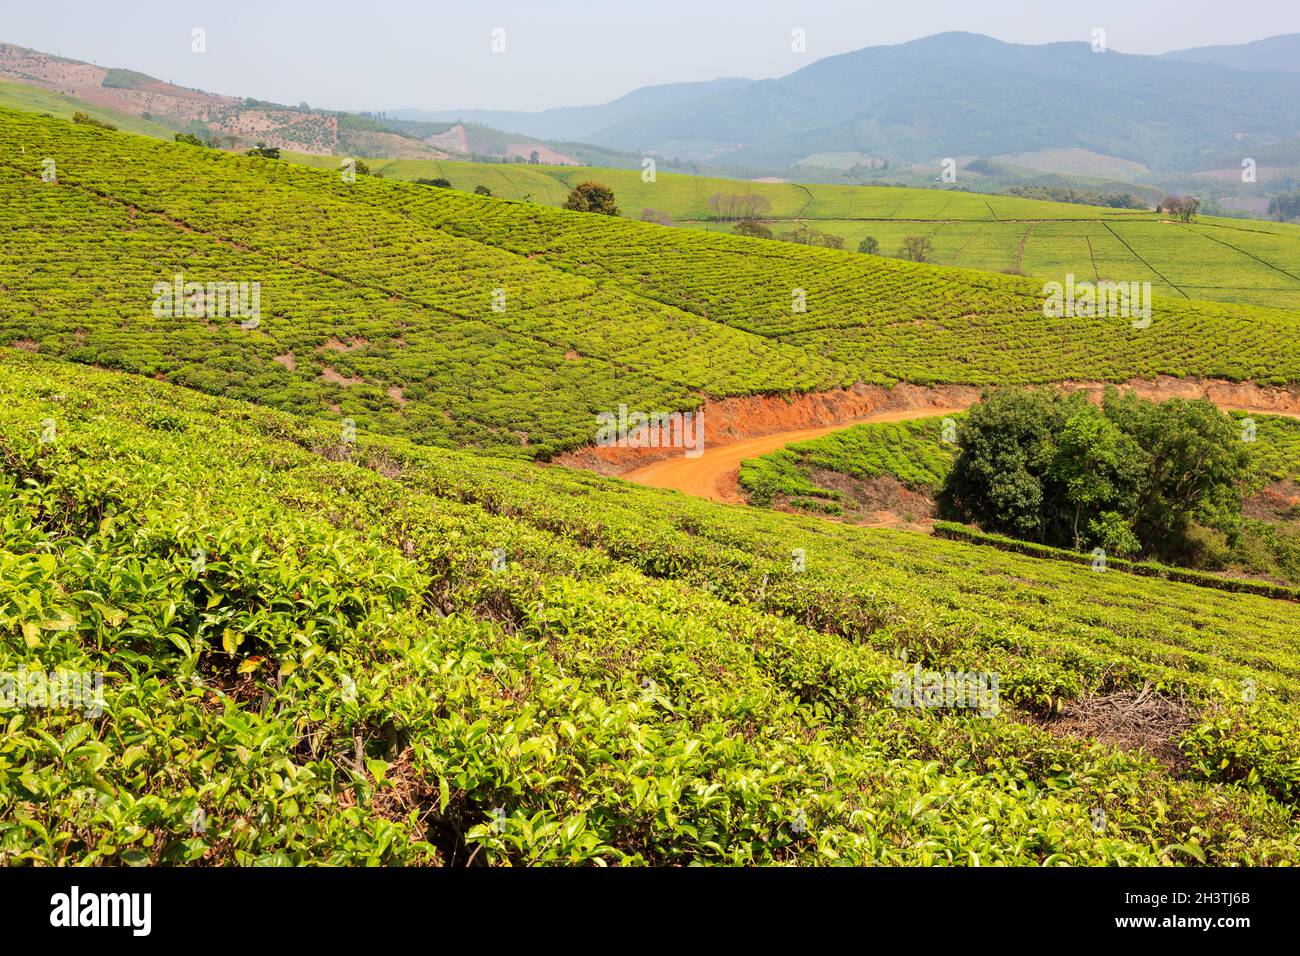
729	206
362	168
656	216
869	245
592	197
1096	471
482	191
752	228
1008	442
916	248
1195	471
534	157
805	236
1129	476
439	182
1285	206
188	139
1184	207
264	151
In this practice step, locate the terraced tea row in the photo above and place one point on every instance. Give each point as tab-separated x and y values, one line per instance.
489	660
349	324
883	319
656	315
1228	260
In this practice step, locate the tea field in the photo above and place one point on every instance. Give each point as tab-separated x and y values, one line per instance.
475	322
1230	260
318	647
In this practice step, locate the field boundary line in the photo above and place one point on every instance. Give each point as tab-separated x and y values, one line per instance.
1263	262
1134	253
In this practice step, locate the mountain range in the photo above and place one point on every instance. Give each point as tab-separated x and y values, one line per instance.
953	95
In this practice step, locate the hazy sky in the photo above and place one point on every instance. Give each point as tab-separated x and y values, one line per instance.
438	55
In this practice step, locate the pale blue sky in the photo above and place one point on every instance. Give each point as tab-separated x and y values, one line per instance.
437	55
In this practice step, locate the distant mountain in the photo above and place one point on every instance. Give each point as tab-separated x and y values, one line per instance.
953	94
583	123
1273	53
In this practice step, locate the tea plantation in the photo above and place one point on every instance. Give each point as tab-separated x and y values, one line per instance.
339	617
473	322
1229	260
318	649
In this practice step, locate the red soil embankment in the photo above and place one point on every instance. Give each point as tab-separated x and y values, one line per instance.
736	429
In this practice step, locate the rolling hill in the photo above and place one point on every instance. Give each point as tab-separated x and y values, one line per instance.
478	322
142	103
363	651
1212	258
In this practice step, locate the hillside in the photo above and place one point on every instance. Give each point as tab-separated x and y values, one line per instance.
519	322
1211	258
142	103
364	651
1271	53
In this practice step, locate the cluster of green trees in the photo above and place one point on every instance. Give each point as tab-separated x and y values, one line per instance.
914	248
753	229
801	234
85	119
1087	197
592	197
806	236
1132	477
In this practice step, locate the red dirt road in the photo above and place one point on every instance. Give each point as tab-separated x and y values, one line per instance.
713	474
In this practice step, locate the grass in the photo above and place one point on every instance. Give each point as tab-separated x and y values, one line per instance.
19	96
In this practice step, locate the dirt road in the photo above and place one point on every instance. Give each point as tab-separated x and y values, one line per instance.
714	474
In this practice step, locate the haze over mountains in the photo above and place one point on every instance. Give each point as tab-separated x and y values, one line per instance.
886	113
952	94
1271	53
